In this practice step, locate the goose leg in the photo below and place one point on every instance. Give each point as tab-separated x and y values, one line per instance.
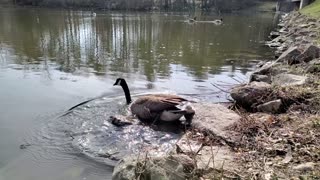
189	116
156	119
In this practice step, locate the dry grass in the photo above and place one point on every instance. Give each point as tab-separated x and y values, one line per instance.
273	146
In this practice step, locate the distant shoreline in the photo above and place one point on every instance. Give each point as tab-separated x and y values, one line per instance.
258	6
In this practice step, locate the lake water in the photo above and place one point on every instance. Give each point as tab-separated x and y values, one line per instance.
51	60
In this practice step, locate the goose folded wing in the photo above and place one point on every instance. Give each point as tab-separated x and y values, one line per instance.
158	103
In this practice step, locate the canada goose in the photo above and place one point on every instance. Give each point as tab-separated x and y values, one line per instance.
94	14
218	21
151	108
191	20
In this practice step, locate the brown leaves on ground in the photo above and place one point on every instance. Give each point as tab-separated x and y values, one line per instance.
273	145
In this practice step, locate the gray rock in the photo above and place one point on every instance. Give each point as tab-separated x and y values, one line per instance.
207	156
260	64
303	25
309	166
265	69
313	69
174	167
279	39
216	157
215	119
314	66
274	44
288	80
187	145
274	34
249	94
270	107
281	25
290	56
315	62
260	78
311	52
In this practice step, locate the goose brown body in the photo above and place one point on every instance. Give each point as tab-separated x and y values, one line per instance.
157	106
149	107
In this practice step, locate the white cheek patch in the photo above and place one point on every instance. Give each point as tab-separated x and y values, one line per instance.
118	83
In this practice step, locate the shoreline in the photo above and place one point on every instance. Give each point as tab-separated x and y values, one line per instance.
271	133
282	104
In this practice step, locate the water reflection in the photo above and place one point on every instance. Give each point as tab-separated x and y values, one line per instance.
131	43
51	60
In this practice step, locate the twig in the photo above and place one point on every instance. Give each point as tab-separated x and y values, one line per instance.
219	88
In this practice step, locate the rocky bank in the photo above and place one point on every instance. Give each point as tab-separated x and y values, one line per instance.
272	130
280	106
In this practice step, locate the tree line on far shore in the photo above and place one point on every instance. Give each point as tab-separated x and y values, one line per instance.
144	5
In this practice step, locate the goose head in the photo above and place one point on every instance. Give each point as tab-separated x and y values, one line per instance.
121	82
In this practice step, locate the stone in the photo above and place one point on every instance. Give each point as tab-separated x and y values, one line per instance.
260	64
263	118
260	78
215	119
303	25
313	35
314	66
247	95
315	62
281	25
188	145
309	166
274	34
283	30
265	69
270	107
284	80
290	56
218	157
313	69
274	44
172	167
311	52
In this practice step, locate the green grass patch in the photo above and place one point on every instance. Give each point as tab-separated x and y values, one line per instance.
313	9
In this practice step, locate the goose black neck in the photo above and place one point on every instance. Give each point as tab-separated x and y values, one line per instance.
126	91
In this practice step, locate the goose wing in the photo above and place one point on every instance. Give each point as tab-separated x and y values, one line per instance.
161	102
173	99
146	106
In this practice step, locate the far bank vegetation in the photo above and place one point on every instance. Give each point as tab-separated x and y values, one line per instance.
183	5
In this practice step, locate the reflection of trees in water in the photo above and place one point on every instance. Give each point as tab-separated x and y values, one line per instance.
129	43
217	5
